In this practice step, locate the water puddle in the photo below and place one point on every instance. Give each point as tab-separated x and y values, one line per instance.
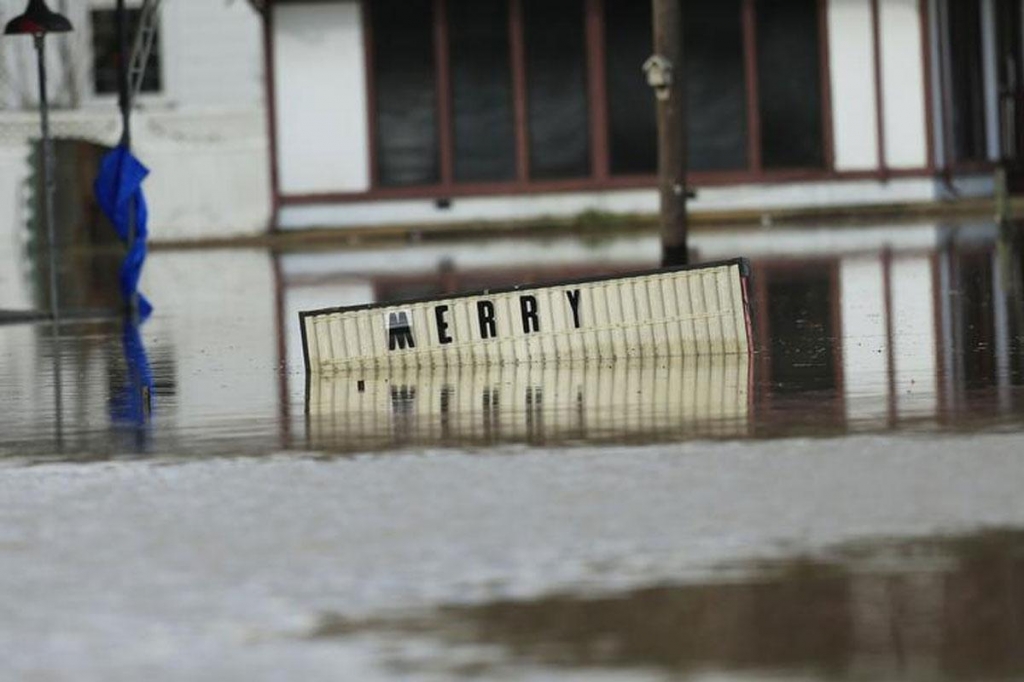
930	608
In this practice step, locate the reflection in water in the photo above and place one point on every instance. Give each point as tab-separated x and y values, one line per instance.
798	326
856	329
691	397
981	321
131	402
879	337
946	608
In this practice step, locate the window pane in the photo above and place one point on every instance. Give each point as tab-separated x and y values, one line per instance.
556	88
481	90
716	85
632	122
789	82
104	50
403	60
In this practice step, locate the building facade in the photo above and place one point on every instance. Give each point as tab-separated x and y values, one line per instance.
199	122
428	111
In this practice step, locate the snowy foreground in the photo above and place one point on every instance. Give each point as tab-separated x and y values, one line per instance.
223	569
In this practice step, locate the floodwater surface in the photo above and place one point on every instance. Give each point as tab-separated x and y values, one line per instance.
180	501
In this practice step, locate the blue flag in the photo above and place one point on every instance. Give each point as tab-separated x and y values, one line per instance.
119	181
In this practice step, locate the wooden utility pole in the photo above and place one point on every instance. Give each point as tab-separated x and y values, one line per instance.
666	72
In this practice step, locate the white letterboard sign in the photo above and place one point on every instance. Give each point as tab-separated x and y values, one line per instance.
697	310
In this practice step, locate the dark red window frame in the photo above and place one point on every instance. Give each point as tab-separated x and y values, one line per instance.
600	177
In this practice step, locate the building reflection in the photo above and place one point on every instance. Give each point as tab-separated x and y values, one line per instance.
979	316
938	608
856	328
797	315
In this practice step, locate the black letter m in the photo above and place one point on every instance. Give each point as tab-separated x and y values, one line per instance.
399	331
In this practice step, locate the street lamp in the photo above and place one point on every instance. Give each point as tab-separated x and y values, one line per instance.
37	21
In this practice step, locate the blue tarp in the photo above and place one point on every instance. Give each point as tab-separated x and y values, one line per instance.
119	181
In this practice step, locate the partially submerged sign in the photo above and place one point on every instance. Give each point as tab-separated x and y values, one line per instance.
698	310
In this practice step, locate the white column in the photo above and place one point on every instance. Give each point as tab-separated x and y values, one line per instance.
851	70
320	98
903	90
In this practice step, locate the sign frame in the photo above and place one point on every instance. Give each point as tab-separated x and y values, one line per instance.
742	264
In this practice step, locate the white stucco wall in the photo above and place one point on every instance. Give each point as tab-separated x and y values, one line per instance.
204	137
211	55
754	197
220	58
903	86
851	64
209	167
323	143
209	172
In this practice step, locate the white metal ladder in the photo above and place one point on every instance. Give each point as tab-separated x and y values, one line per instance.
145	36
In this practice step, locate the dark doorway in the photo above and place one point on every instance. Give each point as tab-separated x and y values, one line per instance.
1011	93
966	80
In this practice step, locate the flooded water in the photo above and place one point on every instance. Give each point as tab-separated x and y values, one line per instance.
842	503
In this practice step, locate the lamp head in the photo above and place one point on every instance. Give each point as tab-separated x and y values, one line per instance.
37	20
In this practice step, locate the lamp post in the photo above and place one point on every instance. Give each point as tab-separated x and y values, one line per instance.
38	20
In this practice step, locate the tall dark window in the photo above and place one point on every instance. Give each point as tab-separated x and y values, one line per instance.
516	80
632	122
968	94
1008	68
481	90
717	105
104	51
556	80
406	91
789	82
716	85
